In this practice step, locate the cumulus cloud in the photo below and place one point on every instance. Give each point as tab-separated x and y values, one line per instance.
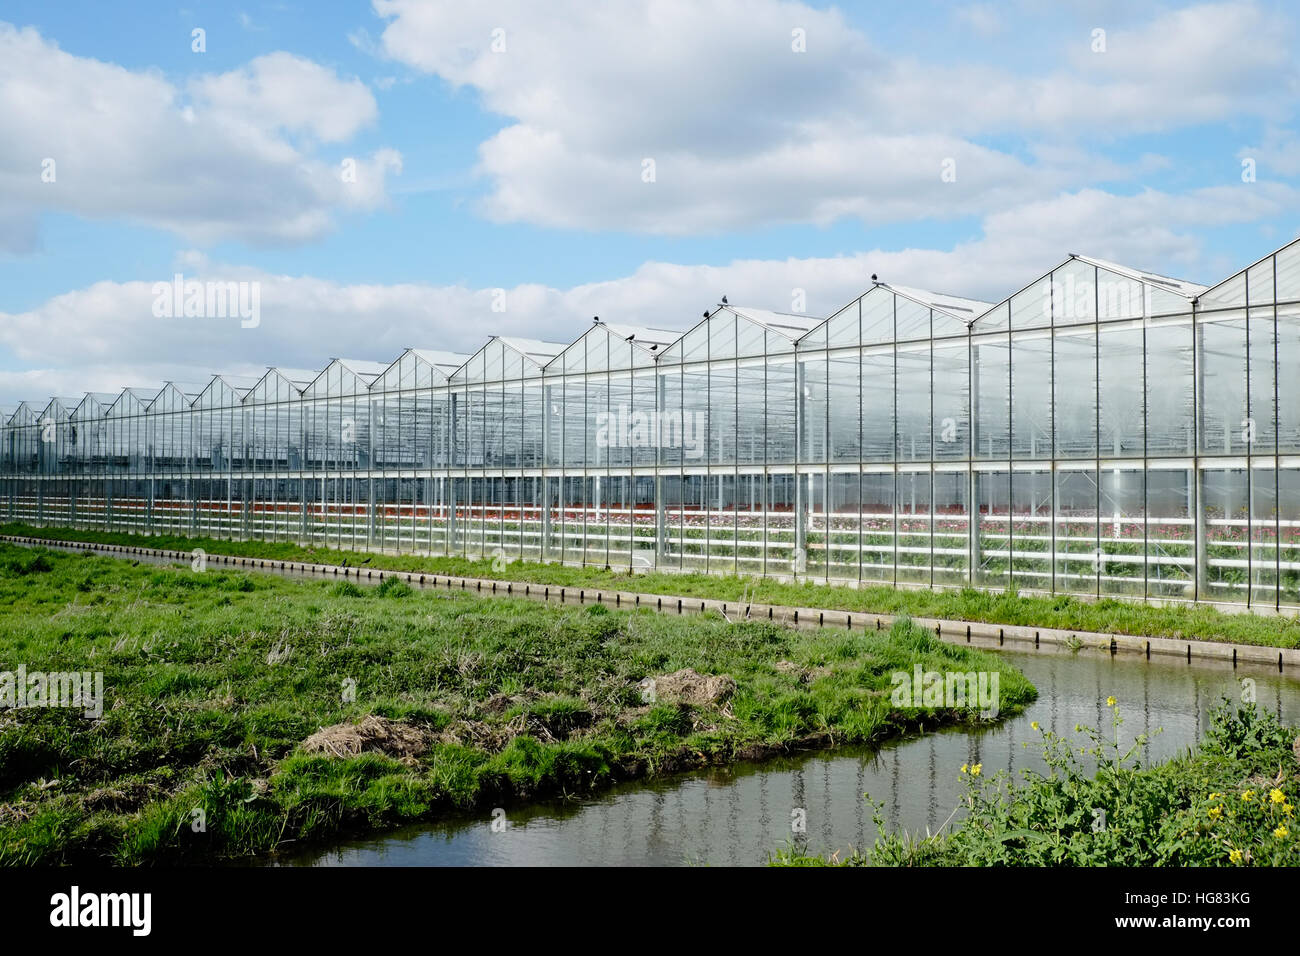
106	336
1276	154
281	91
224	156
769	111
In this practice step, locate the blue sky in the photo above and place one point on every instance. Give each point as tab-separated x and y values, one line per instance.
502	146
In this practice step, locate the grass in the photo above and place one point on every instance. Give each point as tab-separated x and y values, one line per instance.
212	681
1230	802
1107	616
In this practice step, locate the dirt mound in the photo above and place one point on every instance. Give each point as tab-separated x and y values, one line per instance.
499	703
374	734
120	799
686	686
789	667
481	734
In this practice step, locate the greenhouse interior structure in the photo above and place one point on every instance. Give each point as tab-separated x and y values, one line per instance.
1103	431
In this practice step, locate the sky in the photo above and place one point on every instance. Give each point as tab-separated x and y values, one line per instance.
417	173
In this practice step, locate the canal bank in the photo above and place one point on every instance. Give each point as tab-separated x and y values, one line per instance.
819	803
1280	658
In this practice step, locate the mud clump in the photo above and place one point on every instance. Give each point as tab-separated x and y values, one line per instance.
125	798
374	734
492	737
498	703
790	669
687	686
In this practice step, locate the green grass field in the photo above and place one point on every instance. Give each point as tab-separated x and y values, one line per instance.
213	679
1109	616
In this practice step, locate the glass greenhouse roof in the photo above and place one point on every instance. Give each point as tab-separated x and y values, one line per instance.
1188	290
790	324
955	306
537	351
883	313
445	362
652	340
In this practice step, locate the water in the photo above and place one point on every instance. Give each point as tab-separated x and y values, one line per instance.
740	815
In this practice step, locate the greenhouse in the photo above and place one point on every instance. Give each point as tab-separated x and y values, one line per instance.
1102	431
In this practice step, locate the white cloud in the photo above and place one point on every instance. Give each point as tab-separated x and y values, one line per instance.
227	156
283	92
105	336
1278	154
744	130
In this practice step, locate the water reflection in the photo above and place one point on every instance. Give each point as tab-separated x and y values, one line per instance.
740	815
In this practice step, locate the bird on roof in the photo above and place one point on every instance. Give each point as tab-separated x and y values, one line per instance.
724	300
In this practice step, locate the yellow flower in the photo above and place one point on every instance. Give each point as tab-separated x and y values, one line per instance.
964	768
1110	701
1287	808
1215	812
1277	796
1216	796
1248	795
1235	856
975	770
1280	832
1034	725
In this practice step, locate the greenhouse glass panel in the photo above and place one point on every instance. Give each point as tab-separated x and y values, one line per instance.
1264	520
1031	395
1123	530
912	403
992	544
1078	554
915	521
991	392
1288	383
878	401
1120	390
1031	528
1288	535
1074	402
